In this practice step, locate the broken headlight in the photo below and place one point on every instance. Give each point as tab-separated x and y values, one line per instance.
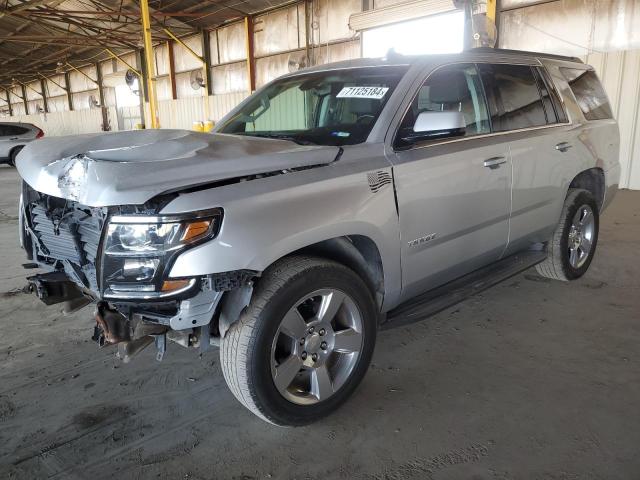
138	252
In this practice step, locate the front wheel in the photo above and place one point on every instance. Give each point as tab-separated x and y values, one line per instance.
303	344
573	245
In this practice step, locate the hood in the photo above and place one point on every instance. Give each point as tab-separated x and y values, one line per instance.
130	168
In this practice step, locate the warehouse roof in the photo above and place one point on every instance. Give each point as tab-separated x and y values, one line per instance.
36	34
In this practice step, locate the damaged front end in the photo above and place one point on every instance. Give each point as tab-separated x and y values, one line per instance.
119	258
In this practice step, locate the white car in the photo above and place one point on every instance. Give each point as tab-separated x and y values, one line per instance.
13	137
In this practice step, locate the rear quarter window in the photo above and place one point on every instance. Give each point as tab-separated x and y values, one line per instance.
12	130
589	93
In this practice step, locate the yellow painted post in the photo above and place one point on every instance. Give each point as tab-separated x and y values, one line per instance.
491	10
149	63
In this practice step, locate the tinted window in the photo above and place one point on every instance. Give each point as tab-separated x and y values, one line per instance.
558	107
451	88
514	95
547	103
12	130
589	93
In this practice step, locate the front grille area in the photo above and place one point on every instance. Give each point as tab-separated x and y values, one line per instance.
66	235
57	241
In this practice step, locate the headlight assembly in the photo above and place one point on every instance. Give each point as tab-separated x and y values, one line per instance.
138	251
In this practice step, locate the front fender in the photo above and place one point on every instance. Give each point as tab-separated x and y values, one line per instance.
267	219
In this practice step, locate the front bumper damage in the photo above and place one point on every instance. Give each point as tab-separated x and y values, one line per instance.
66	239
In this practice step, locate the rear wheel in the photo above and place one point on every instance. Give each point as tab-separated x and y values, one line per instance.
304	342
573	245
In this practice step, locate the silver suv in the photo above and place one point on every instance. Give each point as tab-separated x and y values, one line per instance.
13	137
331	201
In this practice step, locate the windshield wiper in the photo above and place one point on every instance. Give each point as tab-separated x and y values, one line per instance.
291	138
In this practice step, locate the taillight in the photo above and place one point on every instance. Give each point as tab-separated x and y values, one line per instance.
40	134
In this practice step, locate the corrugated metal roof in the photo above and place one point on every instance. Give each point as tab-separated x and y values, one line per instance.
37	34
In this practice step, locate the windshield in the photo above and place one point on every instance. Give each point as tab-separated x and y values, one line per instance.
336	107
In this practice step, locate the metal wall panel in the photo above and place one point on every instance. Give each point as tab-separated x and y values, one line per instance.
330	20
53	89
572	27
336	52
183	60
163	88
65	123
82	100
58	104
79	83
161	53
232	43
269	68
184	88
231	78
279	31
32	91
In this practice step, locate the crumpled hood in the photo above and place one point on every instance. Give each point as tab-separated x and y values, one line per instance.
129	168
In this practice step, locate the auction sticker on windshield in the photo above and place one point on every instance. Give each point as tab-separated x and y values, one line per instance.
376	93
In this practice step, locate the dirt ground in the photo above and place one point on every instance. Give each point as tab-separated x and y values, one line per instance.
530	379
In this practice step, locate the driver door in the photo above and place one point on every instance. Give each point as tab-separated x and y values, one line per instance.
453	193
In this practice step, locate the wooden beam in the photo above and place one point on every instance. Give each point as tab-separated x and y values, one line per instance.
9	102
206	55
24	99
251	74
43	88
67	82
172	70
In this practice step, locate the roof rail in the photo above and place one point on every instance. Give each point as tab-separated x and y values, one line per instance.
525	52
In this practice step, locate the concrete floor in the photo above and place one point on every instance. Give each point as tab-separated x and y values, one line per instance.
531	379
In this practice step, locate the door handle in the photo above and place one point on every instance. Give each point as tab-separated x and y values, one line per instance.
563	146
494	162
14	138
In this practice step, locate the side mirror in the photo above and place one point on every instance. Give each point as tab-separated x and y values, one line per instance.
432	125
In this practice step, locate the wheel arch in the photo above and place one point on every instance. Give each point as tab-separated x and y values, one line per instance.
357	252
593	181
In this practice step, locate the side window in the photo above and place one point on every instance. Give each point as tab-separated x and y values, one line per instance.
12	130
555	97
549	108
514	97
589	93
454	88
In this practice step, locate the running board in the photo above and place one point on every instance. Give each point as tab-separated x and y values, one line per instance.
441	298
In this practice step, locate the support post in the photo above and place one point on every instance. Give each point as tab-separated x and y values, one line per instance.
43	88
204	73
105	112
251	74
150	69
24	99
9	102
172	71
67	82
206	56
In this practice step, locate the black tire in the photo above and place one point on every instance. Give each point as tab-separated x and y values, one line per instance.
557	265
12	156
245	350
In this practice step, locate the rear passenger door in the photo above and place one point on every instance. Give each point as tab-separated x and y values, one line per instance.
453	193
527	111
